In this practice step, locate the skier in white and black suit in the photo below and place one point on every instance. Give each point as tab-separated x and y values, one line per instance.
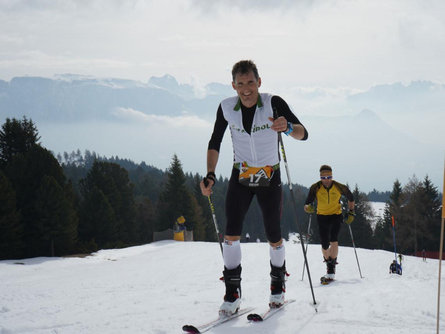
254	128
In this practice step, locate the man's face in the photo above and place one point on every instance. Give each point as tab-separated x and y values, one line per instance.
326	178
246	85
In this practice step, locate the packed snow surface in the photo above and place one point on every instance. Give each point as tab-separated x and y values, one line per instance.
159	287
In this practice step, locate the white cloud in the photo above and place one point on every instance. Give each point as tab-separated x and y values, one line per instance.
305	43
190	122
333	47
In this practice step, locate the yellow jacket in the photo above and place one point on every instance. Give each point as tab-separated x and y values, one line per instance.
328	199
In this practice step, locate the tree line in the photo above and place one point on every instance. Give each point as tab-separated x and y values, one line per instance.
79	203
415	210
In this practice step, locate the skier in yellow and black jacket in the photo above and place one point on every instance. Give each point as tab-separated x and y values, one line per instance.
327	194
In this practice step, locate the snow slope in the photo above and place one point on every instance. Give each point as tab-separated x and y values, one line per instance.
159	287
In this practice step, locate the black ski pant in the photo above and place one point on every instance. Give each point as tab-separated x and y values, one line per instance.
269	198
329	227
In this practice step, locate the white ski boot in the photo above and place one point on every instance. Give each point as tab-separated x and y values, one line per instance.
228	308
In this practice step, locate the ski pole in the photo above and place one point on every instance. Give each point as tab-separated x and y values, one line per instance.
353	244
283	153
307	241
216	225
212	209
440	253
394	237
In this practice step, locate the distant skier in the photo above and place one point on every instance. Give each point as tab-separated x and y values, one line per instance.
254	127
247	237
327	194
400	258
179	229
395	268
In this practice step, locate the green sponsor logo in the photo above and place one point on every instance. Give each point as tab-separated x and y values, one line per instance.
235	128
260	128
256	128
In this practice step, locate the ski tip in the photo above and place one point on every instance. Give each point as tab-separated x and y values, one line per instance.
190	329
254	317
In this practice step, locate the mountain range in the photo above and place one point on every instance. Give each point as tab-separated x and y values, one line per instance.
150	121
68	98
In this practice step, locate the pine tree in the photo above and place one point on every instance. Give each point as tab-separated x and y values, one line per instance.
55	217
16	137
26	171
174	201
395	198
97	225
108	184
145	213
393	208
412	223
11	228
415	209
362	223
431	213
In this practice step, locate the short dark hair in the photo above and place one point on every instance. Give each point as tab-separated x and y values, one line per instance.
244	67
325	167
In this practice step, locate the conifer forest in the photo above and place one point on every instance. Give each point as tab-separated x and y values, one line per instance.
80	202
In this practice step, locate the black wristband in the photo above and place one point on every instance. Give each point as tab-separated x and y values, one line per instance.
211	176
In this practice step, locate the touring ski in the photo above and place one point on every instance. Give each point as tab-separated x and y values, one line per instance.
254	317
216	322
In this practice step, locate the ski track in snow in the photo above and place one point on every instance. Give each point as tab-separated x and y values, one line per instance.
159	287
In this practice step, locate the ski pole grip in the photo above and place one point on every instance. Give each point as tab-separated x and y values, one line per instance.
211	176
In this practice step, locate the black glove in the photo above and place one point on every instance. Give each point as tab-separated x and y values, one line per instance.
210	176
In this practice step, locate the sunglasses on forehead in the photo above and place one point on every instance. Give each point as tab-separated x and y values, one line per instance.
326	177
